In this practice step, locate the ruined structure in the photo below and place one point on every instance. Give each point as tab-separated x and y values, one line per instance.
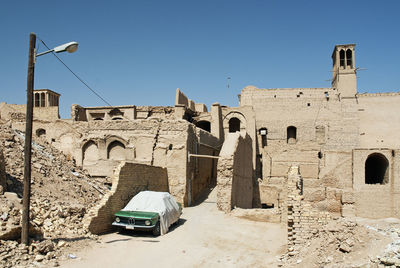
343	142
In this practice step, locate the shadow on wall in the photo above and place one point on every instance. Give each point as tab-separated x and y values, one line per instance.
128	180
235	173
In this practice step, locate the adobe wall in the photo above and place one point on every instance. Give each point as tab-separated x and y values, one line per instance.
127	112
326	132
12	111
234	179
17	112
303	221
99	146
128	180
182	101
376	200
379	115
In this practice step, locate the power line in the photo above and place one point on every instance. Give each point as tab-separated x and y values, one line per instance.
83	82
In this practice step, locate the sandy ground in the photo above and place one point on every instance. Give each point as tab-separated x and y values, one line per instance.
204	237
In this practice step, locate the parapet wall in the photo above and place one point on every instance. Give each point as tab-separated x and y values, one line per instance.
235	170
128	180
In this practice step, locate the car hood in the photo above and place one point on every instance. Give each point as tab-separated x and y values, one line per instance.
136	214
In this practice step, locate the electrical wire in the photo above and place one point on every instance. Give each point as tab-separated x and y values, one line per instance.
80	79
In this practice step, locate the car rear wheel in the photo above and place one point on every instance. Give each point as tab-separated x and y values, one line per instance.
157	230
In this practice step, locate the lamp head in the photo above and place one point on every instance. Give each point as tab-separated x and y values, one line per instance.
69	47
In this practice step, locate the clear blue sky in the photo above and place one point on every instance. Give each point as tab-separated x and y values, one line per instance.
139	52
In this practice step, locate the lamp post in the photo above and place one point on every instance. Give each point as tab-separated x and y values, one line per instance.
70	47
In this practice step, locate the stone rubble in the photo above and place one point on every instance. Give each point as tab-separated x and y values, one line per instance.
345	242
61	194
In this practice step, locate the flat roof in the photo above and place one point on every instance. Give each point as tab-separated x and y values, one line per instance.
46	90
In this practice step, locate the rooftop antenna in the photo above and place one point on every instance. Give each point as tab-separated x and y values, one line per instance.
228	79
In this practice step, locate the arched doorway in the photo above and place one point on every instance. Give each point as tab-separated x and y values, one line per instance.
376	169
116	151
234	125
90	153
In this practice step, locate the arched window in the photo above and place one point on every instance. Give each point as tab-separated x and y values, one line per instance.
117	118
98	119
42	100
90	153
341	57
349	58
234	125
291	134
40	132
205	125
116	151
37	100
376	169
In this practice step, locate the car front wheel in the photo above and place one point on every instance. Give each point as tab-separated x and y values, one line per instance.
157	230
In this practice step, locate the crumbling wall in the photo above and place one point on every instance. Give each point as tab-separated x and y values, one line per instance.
182	101
78	113
235	170
303	221
128	180
12	111
17	112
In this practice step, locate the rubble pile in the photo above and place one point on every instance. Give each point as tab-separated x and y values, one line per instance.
60	196
338	244
391	254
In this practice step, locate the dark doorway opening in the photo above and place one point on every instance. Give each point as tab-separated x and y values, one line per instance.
267	206
205	125
376	169
234	125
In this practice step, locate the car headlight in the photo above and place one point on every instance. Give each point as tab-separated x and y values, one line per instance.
147	222
117	219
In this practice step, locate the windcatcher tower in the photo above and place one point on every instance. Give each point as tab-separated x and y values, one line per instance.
344	72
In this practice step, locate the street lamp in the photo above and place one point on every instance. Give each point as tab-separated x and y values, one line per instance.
70	47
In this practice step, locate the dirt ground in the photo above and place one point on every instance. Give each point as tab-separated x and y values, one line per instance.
204	237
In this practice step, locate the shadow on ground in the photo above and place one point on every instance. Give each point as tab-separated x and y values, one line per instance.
146	234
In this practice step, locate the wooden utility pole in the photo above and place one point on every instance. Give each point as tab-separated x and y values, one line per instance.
28	141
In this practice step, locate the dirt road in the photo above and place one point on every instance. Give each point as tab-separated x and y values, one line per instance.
205	237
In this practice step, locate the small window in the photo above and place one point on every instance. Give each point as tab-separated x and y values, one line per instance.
263	133
37	100
42	100
342	57
291	134
308	104
349	58
40	132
